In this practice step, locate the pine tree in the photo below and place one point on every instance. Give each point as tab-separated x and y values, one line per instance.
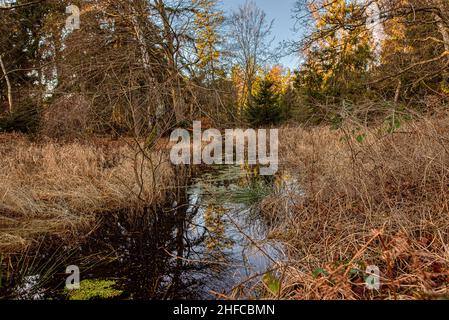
265	108
339	53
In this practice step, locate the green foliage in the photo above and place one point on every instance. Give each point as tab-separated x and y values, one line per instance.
445	87
361	138
249	191
337	64
336	67
272	282
265	109
95	289
151	140
359	135
34	270
250	194
393	123
319	272
354	269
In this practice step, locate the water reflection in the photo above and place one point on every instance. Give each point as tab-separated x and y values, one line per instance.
235	234
208	243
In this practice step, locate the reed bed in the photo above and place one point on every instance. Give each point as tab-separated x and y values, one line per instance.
371	196
59	188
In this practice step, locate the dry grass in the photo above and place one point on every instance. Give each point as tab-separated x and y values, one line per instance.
51	188
381	201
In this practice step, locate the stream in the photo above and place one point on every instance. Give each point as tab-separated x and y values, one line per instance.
212	244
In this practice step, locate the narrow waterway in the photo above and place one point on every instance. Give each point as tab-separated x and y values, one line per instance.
211	243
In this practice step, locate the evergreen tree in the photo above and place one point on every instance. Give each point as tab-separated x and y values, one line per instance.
265	108
341	52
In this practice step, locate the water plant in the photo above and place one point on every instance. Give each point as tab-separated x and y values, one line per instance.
95	289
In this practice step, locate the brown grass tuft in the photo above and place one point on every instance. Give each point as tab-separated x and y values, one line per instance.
372	197
58	188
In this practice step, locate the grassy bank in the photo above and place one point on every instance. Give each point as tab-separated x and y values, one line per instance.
373	196
56	189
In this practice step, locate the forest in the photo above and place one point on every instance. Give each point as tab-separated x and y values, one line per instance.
92	205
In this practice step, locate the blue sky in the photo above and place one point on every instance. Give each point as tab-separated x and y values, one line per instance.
281	12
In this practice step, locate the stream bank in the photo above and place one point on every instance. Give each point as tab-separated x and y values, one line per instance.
210	243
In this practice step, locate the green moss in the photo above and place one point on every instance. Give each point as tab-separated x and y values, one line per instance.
95	289
272	283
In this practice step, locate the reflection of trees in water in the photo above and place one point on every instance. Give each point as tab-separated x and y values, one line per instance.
146	248
151	255
156	256
216	240
166	254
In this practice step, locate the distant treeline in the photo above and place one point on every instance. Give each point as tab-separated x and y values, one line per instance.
143	67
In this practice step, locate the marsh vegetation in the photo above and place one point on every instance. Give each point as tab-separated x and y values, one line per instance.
86	177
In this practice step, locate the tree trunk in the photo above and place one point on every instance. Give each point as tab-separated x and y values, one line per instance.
445	35
443	31
8	84
442	27
398	92
137	113
170	49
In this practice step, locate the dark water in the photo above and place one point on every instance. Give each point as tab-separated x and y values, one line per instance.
210	241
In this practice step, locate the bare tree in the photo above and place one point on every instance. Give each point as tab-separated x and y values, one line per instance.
249	41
